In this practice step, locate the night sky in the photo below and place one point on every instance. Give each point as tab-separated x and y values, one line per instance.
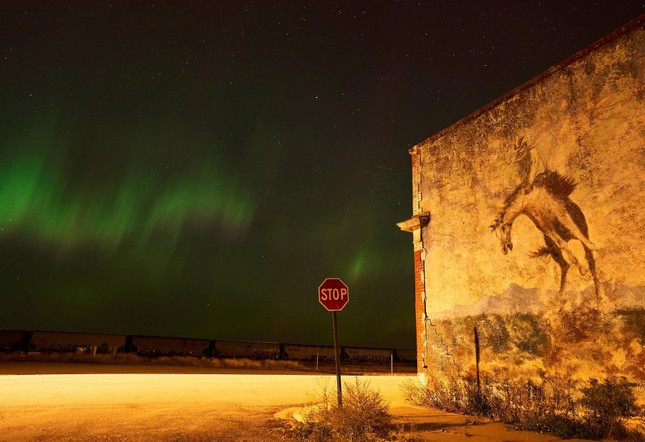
196	169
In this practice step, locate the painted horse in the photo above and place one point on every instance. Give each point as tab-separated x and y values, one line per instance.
546	203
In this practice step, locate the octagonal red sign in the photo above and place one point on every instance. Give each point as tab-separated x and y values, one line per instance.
333	294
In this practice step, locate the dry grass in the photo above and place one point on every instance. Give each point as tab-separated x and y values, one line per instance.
175	361
363	417
594	410
206	363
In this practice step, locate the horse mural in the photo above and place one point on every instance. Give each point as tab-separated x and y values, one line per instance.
544	199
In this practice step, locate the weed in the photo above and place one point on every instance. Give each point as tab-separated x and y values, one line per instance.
363	417
546	406
415	394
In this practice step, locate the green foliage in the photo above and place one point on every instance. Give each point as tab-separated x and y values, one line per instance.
527	335
495	333
519	335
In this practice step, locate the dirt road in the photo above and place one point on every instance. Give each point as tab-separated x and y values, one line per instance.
187	407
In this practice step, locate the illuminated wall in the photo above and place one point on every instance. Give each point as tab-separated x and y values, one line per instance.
528	225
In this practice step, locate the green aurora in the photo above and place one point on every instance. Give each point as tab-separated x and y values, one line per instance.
197	169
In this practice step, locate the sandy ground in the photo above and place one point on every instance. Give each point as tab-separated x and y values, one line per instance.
201	407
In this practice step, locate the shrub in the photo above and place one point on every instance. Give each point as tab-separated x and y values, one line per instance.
363	417
364	410
606	405
415	394
548	406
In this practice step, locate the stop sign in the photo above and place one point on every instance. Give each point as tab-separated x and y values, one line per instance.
333	294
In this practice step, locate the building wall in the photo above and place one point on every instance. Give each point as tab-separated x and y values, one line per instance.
557	169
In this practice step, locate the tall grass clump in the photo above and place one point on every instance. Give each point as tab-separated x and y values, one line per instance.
364	415
598	410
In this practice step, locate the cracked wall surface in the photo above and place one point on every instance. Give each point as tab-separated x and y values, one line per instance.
566	150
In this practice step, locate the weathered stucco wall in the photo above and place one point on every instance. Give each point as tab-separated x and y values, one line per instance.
512	167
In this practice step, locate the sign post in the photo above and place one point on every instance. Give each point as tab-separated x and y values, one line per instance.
333	294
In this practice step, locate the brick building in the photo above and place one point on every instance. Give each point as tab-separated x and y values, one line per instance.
528	226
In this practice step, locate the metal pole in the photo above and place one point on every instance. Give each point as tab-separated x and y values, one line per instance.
337	353
477	356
